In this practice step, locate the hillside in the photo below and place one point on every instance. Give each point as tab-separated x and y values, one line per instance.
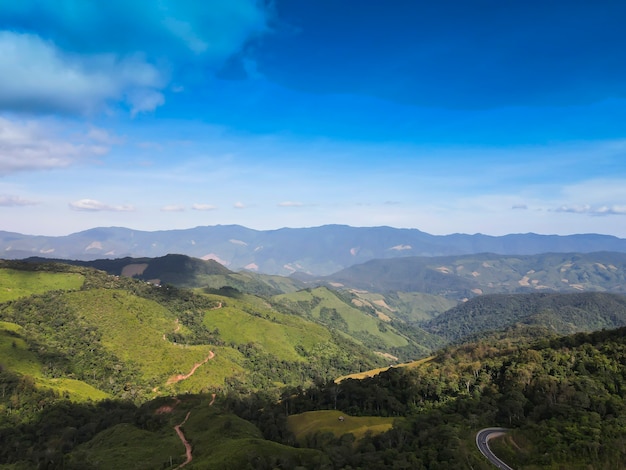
556	313
101	371
127	338
186	271
370	327
316	250
563	400
462	277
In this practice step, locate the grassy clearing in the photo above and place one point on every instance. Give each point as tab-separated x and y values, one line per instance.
325	421
373	372
16	357
276	333
15	284
14	353
355	322
133	328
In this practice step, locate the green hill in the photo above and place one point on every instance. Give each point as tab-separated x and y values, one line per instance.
466	276
22	279
557	313
135	340
367	326
563	399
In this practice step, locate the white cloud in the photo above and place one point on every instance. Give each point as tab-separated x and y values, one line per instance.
239	205
290	204
31	145
172	208
203	207
593	210
15	201
92	205
37	76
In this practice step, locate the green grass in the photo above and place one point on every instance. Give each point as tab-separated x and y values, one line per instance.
133	328
358	323
276	333
15	284
325	421
14	352
373	372
16	357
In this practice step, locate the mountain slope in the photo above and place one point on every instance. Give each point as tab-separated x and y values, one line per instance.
316	250
136	340
460	277
557	313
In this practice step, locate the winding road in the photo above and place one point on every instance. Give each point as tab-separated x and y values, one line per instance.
482	441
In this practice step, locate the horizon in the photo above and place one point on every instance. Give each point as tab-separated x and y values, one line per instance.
489	119
317	226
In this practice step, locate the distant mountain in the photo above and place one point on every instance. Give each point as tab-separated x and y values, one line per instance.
462	277
317	250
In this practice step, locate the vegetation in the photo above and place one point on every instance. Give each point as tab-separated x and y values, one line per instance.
559	313
463	277
90	378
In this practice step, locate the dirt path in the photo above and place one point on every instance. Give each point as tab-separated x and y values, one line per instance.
179	377
183	439
176	330
185	442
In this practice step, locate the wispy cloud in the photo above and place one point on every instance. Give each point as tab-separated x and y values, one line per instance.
31	145
15	201
593	210
203	207
519	207
91	205
290	204
239	205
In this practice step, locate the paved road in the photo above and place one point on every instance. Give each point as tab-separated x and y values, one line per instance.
482	441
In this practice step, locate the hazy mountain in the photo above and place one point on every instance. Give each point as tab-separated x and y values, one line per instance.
317	250
459	277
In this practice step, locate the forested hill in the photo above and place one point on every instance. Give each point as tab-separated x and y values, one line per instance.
558	313
458	277
563	399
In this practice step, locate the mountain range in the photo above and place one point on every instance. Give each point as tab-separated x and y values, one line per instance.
317	250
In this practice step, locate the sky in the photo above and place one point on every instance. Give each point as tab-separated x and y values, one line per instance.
453	116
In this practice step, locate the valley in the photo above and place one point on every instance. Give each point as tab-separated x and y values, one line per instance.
218	369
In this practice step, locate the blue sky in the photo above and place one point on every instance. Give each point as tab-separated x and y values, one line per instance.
454	116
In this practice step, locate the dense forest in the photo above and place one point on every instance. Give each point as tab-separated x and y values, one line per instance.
563	398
